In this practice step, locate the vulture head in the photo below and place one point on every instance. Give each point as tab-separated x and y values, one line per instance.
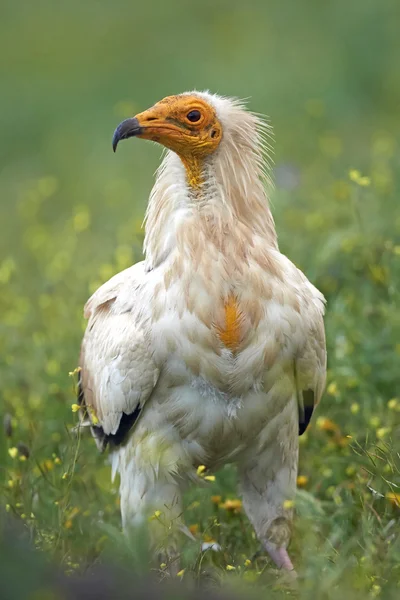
186	124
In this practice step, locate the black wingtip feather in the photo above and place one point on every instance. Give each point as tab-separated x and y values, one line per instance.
102	440
303	424
126	423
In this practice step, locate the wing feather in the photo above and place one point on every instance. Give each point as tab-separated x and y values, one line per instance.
310	371
118	372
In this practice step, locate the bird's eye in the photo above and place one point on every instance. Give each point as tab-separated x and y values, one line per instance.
194	116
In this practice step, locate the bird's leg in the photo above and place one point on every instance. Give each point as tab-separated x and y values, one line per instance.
268	483
153	501
159	511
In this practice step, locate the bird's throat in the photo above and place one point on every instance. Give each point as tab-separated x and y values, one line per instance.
194	166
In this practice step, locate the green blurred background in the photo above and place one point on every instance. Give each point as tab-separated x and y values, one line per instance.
328	76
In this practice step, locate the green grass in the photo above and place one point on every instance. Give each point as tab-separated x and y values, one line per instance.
71	211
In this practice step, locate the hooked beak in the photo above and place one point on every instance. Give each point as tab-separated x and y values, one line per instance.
153	124
126	129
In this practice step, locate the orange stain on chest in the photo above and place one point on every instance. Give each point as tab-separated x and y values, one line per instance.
230	335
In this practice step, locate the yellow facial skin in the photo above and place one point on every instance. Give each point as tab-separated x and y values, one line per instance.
185	124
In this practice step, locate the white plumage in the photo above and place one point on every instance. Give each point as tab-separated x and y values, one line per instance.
212	349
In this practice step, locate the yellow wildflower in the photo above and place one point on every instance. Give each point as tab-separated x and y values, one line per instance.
332	388
247	562
354	175
326	424
381	432
180	573
376	589
230	568
288	504
95	420
74	372
359	179
194	529
13	452
302	480
201	469
393	498
75	407
232	505
209	477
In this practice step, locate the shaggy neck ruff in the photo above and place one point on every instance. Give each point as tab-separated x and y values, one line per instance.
221	196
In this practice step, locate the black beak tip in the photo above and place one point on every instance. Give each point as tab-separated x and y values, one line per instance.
125	130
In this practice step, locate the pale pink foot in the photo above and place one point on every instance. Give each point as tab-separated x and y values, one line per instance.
280	556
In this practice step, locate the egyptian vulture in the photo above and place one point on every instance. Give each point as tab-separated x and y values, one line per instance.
212	349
